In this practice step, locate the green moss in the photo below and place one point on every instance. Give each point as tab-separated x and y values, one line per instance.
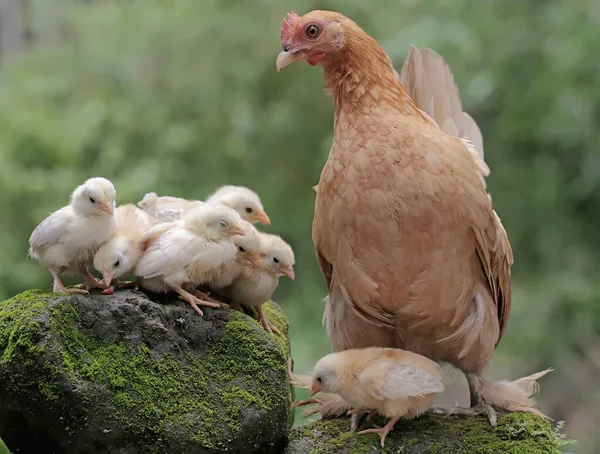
517	433
205	394
435	448
19	341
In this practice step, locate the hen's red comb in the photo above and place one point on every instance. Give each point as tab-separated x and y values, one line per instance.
288	26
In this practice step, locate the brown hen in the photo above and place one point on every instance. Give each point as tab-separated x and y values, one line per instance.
405	234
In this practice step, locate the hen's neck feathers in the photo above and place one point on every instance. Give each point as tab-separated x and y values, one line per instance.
362	75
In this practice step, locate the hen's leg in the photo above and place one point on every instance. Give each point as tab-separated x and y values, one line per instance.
478	405
237	307
382	431
58	287
91	281
267	325
191	299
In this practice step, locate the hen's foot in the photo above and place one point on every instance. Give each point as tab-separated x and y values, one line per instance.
480	409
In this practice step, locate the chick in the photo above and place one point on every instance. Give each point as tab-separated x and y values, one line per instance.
185	253
260	278
392	382
243	200
166	208
119	255
67	240
247	256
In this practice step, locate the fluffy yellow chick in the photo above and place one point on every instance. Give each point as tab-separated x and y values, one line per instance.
119	255
185	253
258	281
392	382
67	240
247	256
166	208
243	200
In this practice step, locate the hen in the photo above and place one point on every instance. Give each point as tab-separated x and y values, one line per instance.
413	254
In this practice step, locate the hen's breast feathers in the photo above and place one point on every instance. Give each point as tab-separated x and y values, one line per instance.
402	210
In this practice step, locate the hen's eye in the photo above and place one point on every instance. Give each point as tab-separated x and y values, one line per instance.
248	210
287	48
319	379
241	249
312	31
275	259
93	200
223	224
117	263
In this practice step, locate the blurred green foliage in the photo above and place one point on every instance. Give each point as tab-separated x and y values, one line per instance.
180	97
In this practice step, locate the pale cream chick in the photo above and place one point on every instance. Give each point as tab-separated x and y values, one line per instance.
66	241
394	383
412	251
247	255
119	255
258	282
181	255
243	200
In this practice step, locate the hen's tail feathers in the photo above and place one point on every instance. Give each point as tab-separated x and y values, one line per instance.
302	381
328	405
515	395
430	84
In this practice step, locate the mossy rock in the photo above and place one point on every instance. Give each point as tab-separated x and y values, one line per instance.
125	374
517	433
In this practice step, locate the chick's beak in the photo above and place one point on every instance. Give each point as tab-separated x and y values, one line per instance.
288	270
107	277
254	259
237	230
314	389
285	58
262	217
107	207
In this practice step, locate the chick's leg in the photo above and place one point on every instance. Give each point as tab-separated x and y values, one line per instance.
91	281
267	325
382	431
194	301
58	287
478	404
211	302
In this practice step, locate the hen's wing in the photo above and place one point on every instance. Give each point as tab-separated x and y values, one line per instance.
52	228
386	380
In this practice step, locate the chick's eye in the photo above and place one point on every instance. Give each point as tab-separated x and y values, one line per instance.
312	31
248	210
241	249
223	224
319	379
117	263
93	200
275	259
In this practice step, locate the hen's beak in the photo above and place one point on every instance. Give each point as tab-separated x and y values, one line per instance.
288	270
285	58
107	277
107	207
314	389
238	231
262	218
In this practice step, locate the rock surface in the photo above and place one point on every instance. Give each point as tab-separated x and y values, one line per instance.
125	374
517	433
